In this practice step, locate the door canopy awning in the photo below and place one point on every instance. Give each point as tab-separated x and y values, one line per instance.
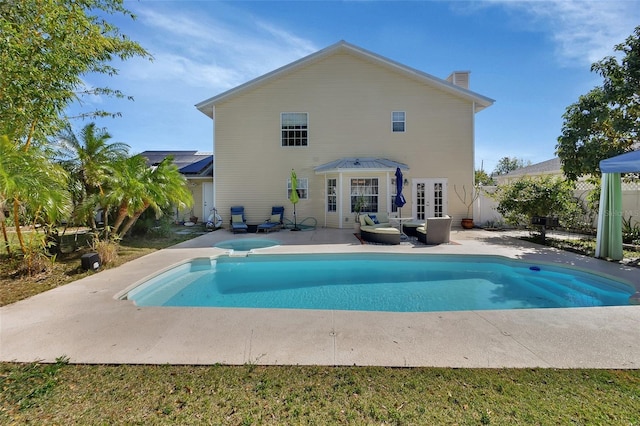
364	164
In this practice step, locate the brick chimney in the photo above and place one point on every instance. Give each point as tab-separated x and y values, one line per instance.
459	78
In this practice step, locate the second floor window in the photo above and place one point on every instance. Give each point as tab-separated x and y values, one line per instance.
398	121
294	128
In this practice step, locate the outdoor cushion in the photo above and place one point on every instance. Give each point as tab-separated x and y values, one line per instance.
383	230
383	217
236	218
374	218
275	218
383	234
362	220
368	220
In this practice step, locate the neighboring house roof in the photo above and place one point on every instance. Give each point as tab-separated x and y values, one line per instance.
360	164
548	167
189	163
481	102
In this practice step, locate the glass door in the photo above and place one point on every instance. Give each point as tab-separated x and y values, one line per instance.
430	197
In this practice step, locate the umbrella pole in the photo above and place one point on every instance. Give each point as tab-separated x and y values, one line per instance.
295	220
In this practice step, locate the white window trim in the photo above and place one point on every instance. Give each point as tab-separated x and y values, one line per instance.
303	183
404	122
334	195
306	130
351	194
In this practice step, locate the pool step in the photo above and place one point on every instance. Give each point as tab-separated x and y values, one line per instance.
560	292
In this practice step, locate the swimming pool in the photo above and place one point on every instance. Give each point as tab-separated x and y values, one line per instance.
377	282
247	244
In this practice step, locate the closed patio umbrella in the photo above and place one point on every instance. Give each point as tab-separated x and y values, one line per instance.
400	201
294	198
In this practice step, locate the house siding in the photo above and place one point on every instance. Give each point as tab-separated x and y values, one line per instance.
349	100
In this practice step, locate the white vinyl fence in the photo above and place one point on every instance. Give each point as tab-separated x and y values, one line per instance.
485	213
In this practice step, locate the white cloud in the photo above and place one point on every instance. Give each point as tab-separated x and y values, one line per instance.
582	31
172	69
201	51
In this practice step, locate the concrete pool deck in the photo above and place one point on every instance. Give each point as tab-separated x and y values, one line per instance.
85	321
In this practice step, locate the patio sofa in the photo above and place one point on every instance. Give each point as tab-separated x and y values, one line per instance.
436	230
375	228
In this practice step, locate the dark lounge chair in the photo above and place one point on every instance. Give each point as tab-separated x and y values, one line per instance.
238	221
274	223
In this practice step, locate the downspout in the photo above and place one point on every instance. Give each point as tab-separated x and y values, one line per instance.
215	157
326	198
473	152
341	201
388	194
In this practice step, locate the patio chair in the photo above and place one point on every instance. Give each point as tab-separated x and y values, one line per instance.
238	221
436	230
274	223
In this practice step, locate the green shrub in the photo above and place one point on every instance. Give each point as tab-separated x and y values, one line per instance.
630	231
147	224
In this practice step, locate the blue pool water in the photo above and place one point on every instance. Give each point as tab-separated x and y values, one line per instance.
377	282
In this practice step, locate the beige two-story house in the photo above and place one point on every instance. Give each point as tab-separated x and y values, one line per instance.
344	119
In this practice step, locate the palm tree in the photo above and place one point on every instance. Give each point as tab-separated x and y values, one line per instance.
137	187
29	182
127	190
165	187
90	160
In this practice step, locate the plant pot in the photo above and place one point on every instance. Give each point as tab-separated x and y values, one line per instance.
356	227
467	223
193	219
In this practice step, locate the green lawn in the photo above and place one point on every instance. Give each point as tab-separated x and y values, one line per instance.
66	267
244	395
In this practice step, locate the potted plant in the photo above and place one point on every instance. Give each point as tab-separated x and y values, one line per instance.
357	208
193	218
467	198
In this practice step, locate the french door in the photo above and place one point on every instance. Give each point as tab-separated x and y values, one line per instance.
430	197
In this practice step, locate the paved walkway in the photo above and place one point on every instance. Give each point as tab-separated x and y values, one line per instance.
86	322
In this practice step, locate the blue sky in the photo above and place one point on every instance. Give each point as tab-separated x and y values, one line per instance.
533	58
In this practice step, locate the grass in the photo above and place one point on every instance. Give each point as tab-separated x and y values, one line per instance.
66	267
60	393
243	395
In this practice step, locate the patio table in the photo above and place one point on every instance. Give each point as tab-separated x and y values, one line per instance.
399	220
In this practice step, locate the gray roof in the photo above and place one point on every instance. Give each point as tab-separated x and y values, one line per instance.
545	167
361	164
